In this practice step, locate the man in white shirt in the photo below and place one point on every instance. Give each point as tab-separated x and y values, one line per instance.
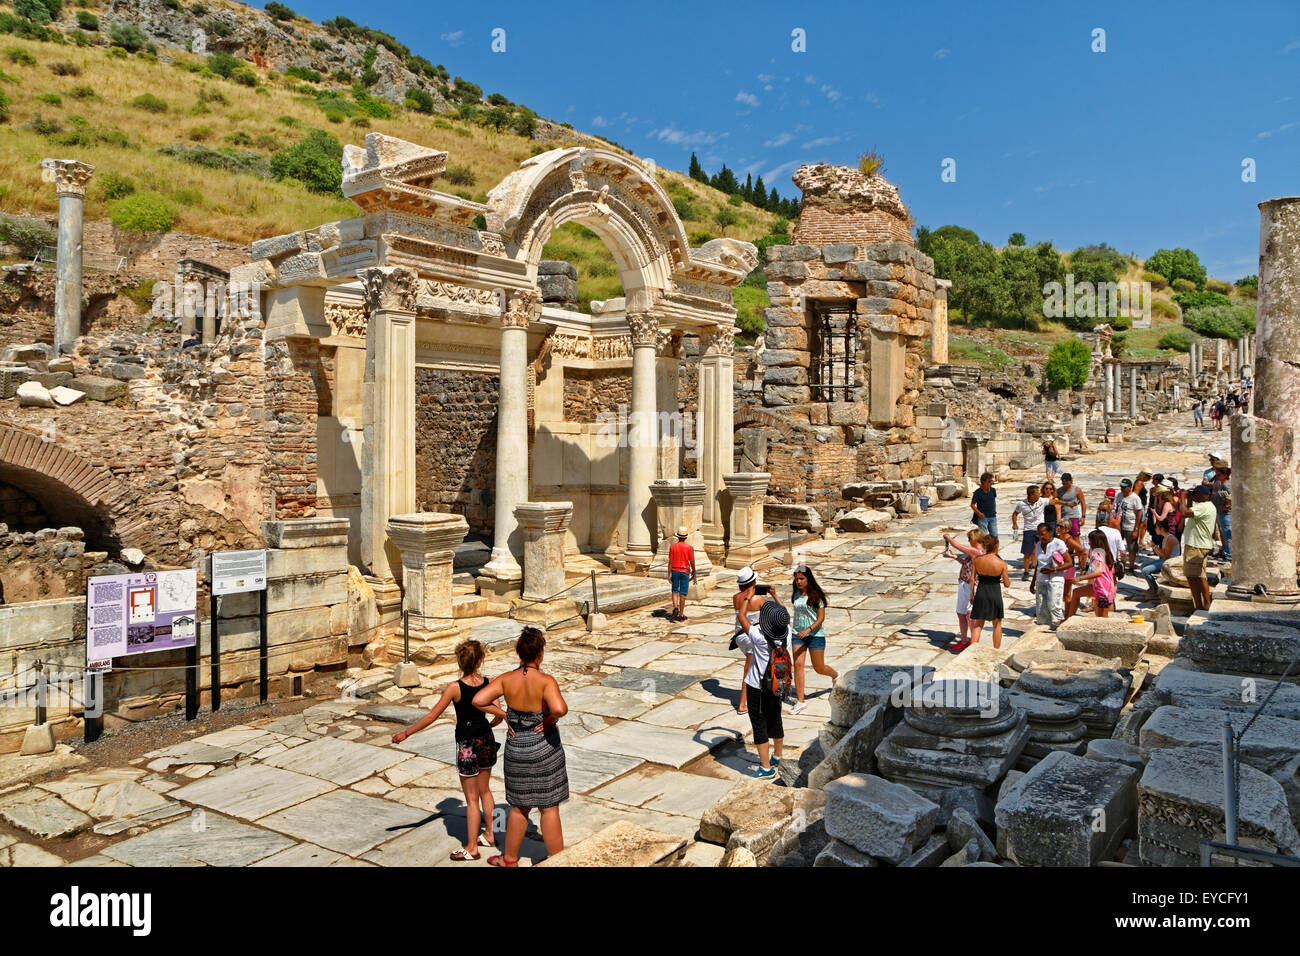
764	705
1031	509
1115	540
1131	509
1051	559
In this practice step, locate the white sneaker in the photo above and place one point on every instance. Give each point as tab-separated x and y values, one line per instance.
800	706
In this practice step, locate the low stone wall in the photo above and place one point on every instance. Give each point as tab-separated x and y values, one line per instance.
39	565
321	614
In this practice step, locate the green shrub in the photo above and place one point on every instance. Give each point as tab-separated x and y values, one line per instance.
1248	282
25	28
81	38
319	45
39	12
127	36
343	76
16	54
239	138
4	106
172	4
149	55
268	142
200	133
333	115
700	237
1199	300
82	92
226	159
1178	264
315	161
43	127
244	76
87	20
218	28
1164	309
735	199
143	213
418	99
368	104
460	175
65	69
1184	285
303	73
198	9
1221	321
150	103
53	99
524	125
1217	285
117	53
685	209
28	235
361	122
1157	281
278	11
1068	364
115	186
1180	340
223	63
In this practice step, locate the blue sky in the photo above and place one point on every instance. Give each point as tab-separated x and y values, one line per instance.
1140	146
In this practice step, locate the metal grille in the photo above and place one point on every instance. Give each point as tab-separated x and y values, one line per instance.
834	348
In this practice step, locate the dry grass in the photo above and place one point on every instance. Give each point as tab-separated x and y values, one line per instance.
242	207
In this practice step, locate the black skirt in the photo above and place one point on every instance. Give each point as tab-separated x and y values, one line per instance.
988	600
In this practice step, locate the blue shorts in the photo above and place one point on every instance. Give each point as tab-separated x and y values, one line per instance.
681	581
811	642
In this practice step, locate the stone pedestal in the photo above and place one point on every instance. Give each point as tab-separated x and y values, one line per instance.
678	502
1264	453
502	577
70	178
542	525
748	492
642	435
427	543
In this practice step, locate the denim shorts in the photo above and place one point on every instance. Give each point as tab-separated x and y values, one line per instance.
811	642
681	582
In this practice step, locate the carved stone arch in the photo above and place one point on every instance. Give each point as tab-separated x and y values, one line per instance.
68	486
610	194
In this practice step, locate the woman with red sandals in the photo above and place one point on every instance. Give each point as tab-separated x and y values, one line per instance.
476	746
965	582
536	775
990	578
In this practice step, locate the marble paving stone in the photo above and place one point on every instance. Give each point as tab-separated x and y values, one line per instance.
661	745
253	791
46	818
245	740
613	701
348	822
683	713
654	681
905	656
440	800
21	855
220	841
686	794
188	753
95	861
696	664
435	743
721	628
589	769
339	761
427	845
82	781
302	854
412	769
716	648
640	656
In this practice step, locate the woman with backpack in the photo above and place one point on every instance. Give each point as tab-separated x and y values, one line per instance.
768	679
746	602
990	572
476	746
809	602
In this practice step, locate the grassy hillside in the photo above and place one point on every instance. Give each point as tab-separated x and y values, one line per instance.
86	103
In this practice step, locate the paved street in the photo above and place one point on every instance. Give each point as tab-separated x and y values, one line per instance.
652	735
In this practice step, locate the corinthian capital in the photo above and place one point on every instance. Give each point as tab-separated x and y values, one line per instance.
68	175
718	340
645	329
389	288
522	307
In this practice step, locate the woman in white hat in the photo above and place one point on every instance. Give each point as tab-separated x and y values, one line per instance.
747	603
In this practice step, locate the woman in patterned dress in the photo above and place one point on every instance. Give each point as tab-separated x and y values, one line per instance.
534	760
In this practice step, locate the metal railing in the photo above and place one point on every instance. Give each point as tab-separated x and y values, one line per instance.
99	261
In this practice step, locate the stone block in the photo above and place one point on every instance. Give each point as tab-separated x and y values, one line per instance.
66	396
792	375
848	413
755	805
963	829
38	739
855	752
99	389
966	856
1255	646
882	819
125	372
34	394
799	846
778	317
1106	636
1189	688
864	520
837	853
859	689
1068	811
277	247
622	844
779	395
1271	744
51	379
35	352
771	357
839	252
1116	750
792	337
303	561
305	533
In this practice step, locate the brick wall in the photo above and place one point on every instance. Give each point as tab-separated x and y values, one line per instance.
294	377
455	444
589	393
818	225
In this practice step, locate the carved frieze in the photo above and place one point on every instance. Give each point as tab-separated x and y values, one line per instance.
348	320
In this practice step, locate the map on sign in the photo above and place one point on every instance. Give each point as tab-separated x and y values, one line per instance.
135	613
234	572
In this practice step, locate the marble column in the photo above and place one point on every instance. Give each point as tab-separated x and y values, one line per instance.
427	543
939	324
1218	357
1265	452
503	576
1133	391
715	434
642	434
1110	388
211	302
388	416
70	177
748	493
543	525
678	502
668	449
1194	364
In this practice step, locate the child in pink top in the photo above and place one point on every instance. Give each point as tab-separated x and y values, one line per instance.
1099	582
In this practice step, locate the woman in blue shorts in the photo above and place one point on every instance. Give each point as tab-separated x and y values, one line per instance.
809	632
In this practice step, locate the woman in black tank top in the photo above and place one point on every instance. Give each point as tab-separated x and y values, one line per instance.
476	746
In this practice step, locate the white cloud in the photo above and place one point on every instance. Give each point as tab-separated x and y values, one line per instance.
1291	47
1268	133
453	39
941	53
767	88
679	137
771	176
599	122
832	94
810	78
749	99
766	77
821	141
780	139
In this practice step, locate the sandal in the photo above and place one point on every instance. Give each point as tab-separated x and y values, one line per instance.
959	646
461	856
500	860
485	840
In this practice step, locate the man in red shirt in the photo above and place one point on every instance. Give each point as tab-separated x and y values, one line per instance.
681	571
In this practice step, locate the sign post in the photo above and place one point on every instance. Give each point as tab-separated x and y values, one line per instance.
238	572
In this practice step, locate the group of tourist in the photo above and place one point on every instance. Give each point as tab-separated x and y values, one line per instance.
1222	407
535	770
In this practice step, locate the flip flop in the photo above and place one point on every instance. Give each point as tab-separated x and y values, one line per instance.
500	860
484	840
460	856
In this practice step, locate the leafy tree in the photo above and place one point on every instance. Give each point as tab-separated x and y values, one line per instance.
223	63
524	124
1017	239
923	239
697	171
315	161
1025	272
128	36
1248	282
725	181
87	20
1188	301
496	118
725	217
278	11
37	11
1221	321
1178	264
956	232
1068	364
1097	264
1180	340
979	290
418	99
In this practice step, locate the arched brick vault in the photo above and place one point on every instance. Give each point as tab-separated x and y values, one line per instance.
757	416
69	486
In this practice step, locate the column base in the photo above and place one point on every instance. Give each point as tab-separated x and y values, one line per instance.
637	561
546	614
500	580
388	600
745	556
1246	592
427	647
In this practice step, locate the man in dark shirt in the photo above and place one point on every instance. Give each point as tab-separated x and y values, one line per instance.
984	505
1221	496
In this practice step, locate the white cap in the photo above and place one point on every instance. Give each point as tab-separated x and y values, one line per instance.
745	577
